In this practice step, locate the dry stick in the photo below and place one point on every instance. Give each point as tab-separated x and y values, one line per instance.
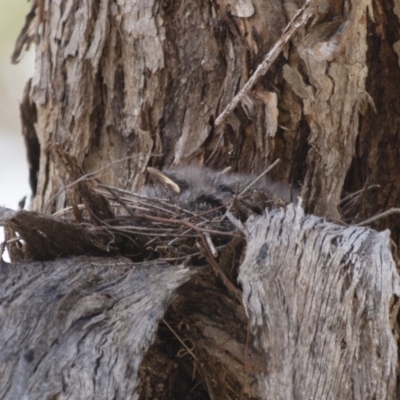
145	229
228	210
150	204
210	243
349	201
210	389
107	194
120	201
103	185
379	216
217	269
174	240
211	210
181	257
258	178
153	202
352	195
188	224
298	21
88	176
179	339
225	280
182	343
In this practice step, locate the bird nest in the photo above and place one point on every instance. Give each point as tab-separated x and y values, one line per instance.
112	221
157	228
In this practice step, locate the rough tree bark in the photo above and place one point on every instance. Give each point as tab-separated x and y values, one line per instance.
122	85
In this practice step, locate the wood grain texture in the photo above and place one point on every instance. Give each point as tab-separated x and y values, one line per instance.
78	328
317	296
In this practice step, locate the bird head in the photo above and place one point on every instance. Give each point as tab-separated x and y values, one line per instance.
197	188
192	188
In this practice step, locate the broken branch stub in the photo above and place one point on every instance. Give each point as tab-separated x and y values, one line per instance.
317	296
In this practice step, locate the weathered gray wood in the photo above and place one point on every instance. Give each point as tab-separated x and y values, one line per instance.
47	238
317	295
124	85
78	328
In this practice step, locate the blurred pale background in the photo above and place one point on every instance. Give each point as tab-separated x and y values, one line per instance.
13	166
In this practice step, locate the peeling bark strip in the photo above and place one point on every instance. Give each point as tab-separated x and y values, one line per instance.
48	238
79	328
336	68
318	300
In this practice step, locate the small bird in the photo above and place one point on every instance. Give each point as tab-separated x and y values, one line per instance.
197	188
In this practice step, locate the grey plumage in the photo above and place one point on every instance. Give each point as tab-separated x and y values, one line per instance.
199	188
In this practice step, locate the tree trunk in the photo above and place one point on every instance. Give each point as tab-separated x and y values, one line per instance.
121	86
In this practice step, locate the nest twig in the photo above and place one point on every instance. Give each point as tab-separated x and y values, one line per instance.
115	221
167	229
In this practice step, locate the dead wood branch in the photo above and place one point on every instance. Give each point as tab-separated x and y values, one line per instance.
308	289
60	315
